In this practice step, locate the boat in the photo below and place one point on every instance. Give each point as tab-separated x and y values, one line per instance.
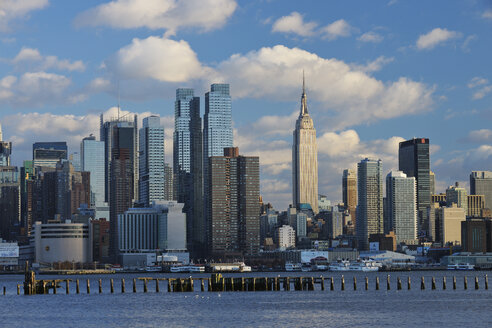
340	265
187	268
292	267
153	268
364	266
230	267
461	266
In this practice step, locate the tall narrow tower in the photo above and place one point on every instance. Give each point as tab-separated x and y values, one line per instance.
305	158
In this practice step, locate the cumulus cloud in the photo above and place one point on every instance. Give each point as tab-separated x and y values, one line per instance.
14	9
158	58
337	29
481	86
435	37
28	56
170	15
34	88
371	37
294	23
480	136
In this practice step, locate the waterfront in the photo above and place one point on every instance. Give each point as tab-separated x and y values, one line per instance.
327	308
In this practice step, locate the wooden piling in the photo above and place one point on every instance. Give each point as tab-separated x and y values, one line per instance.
332	284
433	283
355	283
157	286
67	287
209	284
111	285
398	283
122	285
343	282
301	283
388	287
422	283
77	287
145	286
88	287
465	283
169	282
454	282
377	283
444	283
476	283
5	290
53	284
486	282
367	283
322	283
202	285
288	284
409	283
18	289
134	285
242	284
100	286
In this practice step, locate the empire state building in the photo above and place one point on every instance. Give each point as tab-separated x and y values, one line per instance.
305	159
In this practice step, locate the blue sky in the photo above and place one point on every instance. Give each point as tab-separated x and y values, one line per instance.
377	72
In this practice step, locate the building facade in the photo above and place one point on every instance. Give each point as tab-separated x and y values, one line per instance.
370	200
48	153
233	204
401	207
286	237
9	203
151	161
349	192
481	184
92	160
450	220
414	161
305	159
457	195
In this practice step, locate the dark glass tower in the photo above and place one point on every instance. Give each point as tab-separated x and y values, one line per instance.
414	161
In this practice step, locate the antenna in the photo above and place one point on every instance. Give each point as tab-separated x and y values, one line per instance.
303	83
118	100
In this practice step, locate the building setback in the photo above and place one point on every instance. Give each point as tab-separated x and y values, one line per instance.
233	204
370	200
305	159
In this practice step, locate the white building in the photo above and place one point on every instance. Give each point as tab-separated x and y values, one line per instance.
9	253
62	242
401	210
286	237
160	227
92	160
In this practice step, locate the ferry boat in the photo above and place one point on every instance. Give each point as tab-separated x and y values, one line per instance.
187	268
340	265
365	266
292	267
230	267
461	266
153	268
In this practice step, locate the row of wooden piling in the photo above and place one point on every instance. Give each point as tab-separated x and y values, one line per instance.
217	283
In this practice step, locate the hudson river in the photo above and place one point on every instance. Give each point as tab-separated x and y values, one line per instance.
349	308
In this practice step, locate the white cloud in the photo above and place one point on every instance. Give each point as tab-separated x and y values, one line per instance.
375	65
170	15
487	14
435	37
482	92
477	81
157	58
294	23
480	136
371	37
29	55
13	9
337	29
481	86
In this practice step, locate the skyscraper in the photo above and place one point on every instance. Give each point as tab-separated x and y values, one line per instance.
151	161
457	195
370	200
401	206
5	150
349	192
432	182
92	160
481	184
217	134
187	164
233	204
48	153
9	202
305	159
414	161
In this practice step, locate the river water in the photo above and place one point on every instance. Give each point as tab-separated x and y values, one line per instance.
349	308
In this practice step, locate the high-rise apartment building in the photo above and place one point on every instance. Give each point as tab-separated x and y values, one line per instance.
286	236
305	159
476	203
450	221
92	160
370	200
414	161
457	195
217	135
187	164
481	184
9	202
48	153
233	204
151	161
27	183
169	193
349	192
401	207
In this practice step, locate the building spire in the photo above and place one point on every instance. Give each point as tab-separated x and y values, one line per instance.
304	109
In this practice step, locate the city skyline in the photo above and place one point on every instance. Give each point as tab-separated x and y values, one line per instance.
412	65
